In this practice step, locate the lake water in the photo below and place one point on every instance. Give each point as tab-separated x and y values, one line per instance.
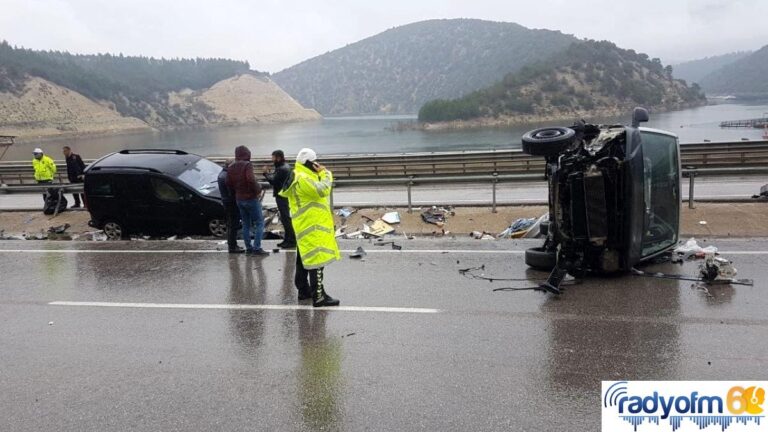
355	135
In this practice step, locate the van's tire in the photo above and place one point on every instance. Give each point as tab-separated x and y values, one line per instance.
217	227
540	258
115	230
549	141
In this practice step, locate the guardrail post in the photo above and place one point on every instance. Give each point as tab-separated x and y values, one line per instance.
410	202
495	181
691	181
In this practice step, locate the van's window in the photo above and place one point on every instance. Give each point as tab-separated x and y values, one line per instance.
100	185
661	183
202	176
164	190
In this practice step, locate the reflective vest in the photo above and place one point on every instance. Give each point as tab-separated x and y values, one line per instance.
44	167
308	196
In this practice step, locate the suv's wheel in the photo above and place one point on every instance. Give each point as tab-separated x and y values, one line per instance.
540	258
217	227
548	141
115	230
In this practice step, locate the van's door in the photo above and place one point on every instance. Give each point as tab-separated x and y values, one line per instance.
136	200
661	192
101	197
171	205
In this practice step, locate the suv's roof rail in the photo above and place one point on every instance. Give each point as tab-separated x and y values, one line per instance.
99	168
139	151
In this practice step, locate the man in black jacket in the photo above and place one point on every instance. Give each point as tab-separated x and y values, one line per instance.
230	210
277	179
75	169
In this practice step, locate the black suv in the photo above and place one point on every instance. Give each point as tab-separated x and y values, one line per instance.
614	197
154	192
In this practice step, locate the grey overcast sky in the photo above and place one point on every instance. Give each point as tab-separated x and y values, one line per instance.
275	34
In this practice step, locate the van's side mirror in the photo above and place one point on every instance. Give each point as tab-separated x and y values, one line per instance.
639	115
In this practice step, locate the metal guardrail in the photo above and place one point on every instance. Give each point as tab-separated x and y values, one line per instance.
409	182
700	155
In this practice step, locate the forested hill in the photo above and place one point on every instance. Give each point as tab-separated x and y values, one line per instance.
695	70
137	86
398	70
588	78
745	77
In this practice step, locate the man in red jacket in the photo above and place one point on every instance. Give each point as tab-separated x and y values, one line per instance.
248	196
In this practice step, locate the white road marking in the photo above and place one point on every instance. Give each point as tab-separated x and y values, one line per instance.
246	307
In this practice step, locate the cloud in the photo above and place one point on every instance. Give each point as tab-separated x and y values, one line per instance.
274	34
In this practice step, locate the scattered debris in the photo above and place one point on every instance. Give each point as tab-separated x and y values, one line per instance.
478	235
381	242
691	249
763	192
518	228
391	218
358	253
171	238
340	231
479	273
3	236
348	335
273	235
378	228
748	282
702	222
39	236
59	232
346	212
50	323
436	216
98	236
714	267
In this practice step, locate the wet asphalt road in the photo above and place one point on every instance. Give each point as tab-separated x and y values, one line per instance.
481	360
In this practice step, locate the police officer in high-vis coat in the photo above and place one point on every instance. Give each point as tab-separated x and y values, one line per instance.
308	191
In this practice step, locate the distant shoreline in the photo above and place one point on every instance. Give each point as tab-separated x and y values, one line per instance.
521	120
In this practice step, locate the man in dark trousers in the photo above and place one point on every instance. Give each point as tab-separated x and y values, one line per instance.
277	179
248	196
75	169
230	210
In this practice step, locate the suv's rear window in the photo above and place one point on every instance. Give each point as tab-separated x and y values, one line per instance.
661	181
202	176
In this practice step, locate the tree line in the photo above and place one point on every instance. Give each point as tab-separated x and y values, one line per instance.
130	82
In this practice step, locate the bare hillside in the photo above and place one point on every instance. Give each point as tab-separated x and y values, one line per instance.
44	109
243	99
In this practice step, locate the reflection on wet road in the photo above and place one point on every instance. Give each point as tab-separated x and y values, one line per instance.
178	336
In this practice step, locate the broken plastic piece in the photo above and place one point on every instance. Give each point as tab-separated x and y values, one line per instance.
380	242
379	228
345	212
59	229
434	216
691	249
391	218
552	284
518	228
358	253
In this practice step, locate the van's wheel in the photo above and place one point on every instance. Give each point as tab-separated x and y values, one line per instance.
217	227
115	230
540	258
549	141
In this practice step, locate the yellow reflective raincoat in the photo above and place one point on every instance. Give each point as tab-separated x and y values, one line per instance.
44	167
311	216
